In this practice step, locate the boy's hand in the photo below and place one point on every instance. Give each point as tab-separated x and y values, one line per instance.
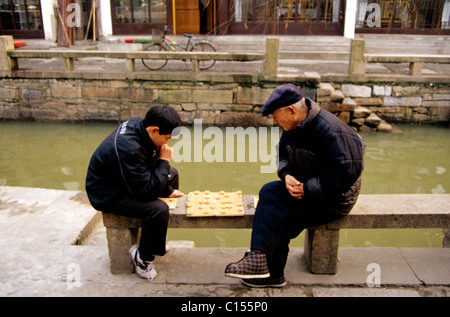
165	153
176	193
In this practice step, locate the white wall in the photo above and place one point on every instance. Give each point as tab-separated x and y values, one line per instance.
47	16
104	15
350	18
49	20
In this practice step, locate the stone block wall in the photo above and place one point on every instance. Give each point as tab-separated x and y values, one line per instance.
224	102
348	110
78	100
373	106
412	103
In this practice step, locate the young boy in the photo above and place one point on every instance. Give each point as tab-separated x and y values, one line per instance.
129	171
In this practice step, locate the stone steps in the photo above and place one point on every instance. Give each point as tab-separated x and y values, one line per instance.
349	110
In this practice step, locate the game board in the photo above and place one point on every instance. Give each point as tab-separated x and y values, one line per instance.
210	204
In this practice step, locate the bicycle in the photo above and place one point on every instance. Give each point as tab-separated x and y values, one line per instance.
162	43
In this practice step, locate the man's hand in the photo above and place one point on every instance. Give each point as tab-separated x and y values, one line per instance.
294	187
176	193
165	153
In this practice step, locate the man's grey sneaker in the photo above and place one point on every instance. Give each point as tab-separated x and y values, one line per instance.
265	282
252	265
143	268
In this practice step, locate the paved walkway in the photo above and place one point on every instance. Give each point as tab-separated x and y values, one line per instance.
39	256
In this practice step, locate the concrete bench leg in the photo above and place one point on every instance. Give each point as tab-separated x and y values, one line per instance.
321	250
119	242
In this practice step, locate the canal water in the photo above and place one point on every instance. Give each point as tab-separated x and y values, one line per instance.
56	156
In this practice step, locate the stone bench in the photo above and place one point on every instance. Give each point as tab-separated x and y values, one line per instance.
122	232
321	243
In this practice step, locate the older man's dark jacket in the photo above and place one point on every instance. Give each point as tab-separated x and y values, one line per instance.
126	163
327	156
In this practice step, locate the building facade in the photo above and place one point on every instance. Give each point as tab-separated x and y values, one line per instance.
39	18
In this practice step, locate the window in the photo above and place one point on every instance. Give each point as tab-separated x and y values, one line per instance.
286	10
405	14
141	11
20	15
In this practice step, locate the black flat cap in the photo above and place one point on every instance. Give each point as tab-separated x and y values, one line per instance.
283	96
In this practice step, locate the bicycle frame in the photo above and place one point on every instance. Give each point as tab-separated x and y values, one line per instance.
170	44
160	42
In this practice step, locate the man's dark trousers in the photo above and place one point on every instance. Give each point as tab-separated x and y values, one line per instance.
279	218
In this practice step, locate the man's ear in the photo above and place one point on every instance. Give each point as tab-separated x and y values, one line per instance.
292	110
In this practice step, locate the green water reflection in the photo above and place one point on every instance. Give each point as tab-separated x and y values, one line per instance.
56	156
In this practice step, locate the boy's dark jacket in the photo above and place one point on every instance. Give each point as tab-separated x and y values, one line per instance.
126	163
326	155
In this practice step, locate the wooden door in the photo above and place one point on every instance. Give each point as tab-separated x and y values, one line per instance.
187	16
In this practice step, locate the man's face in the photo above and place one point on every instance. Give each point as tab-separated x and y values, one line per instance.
285	118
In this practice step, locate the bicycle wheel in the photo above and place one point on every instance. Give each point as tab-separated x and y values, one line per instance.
204	47
154	64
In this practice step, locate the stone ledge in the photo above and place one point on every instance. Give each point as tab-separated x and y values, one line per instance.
370	211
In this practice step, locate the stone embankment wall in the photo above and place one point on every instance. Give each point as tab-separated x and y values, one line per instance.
372	106
223	103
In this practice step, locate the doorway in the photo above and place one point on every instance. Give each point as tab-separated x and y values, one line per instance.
181	16
194	16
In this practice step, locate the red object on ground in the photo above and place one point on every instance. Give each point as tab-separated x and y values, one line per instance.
129	40
19	44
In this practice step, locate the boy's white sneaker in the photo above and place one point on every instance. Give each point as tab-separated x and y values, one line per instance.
143	268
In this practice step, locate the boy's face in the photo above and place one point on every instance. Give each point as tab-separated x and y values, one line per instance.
158	139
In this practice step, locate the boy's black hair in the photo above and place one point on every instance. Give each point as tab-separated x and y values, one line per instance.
164	117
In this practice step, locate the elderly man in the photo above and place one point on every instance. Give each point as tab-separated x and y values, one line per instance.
320	166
